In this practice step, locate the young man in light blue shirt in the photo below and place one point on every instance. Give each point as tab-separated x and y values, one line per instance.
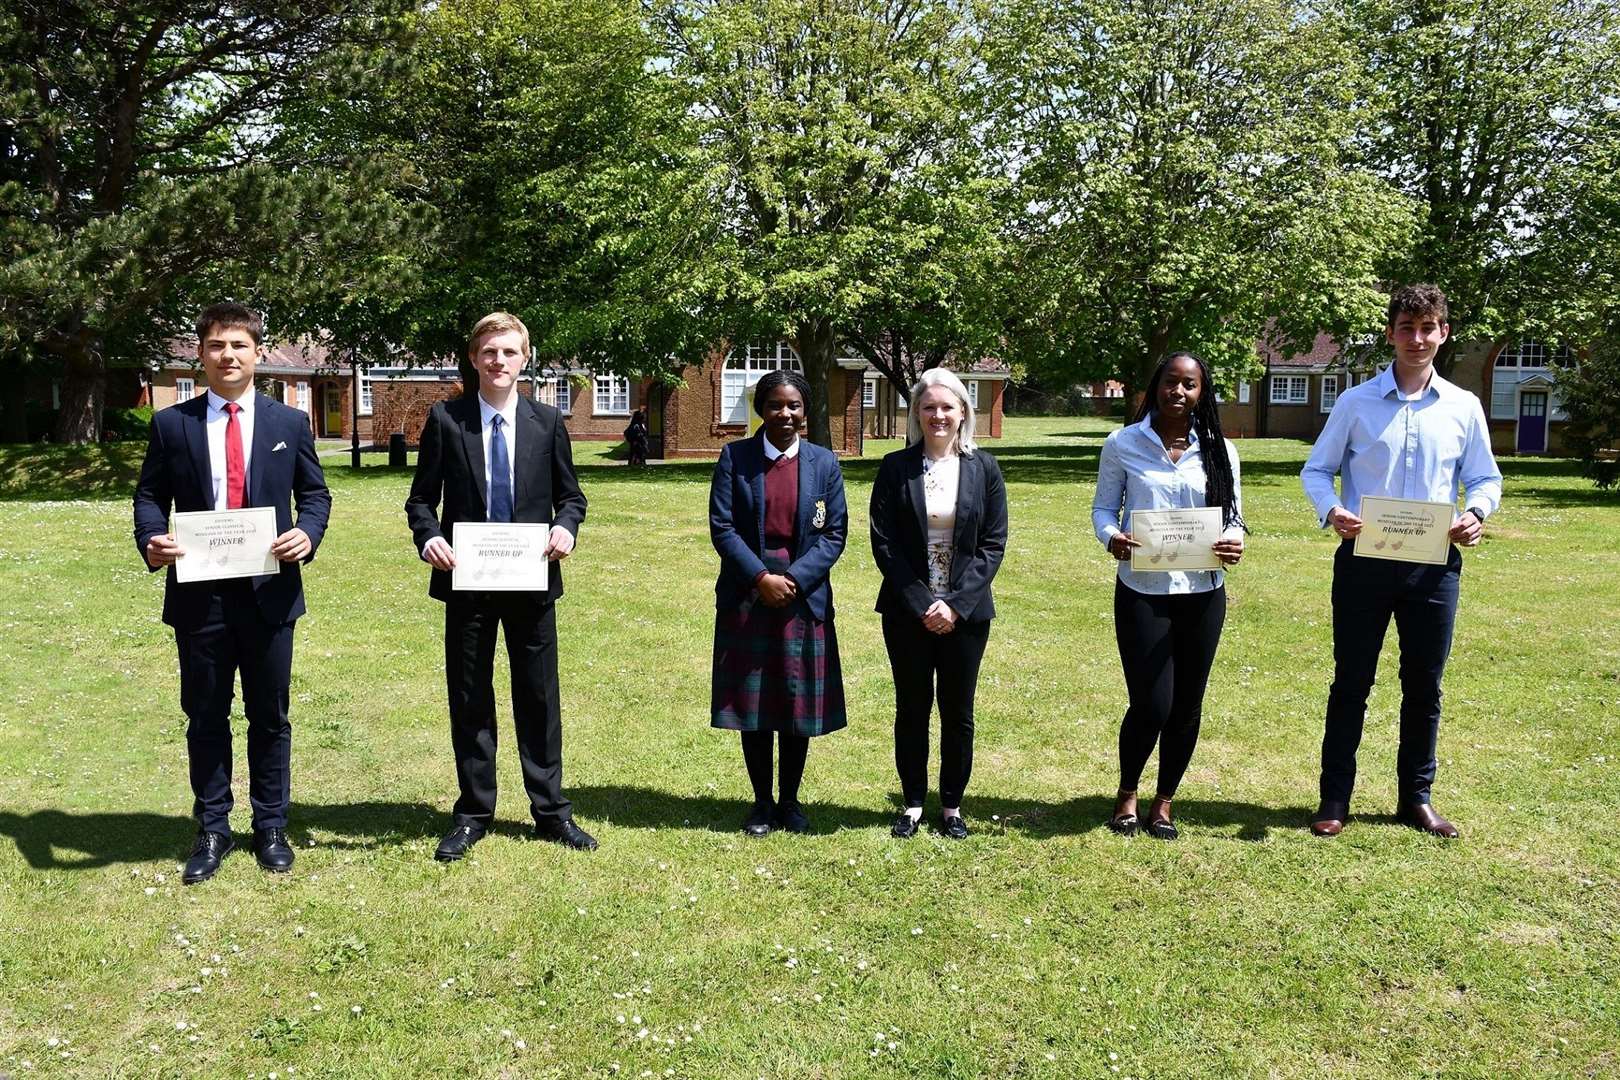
1406	434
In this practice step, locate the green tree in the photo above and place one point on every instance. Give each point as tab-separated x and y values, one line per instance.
845	167
1590	391
143	160
1189	182
1489	115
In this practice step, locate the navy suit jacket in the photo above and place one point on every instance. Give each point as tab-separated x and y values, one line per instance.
737	522
282	469
900	535
450	466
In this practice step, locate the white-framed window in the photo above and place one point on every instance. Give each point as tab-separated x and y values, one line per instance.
612	395
303	397
1290	389
558	392
1330	392
900	404
184	389
1243	393
869	394
973	392
743	368
365	394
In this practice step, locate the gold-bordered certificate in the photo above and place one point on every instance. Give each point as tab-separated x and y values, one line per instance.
225	543
1175	539
1406	530
500	556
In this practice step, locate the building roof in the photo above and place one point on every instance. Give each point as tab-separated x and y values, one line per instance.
1323	354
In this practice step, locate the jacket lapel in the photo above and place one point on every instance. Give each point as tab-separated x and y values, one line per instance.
196	429
530	440
472	442
756	484
914	488
807	492
261	450
969	477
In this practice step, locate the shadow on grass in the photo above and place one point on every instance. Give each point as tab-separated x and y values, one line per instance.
39	471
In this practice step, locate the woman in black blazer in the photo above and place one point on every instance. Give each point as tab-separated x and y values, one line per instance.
939	529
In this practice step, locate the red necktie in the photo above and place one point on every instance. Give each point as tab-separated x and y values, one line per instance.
235	472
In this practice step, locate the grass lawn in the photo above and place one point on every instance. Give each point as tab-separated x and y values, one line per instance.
1043	946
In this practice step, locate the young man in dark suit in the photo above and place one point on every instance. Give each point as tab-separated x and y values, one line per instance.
497	456
230	449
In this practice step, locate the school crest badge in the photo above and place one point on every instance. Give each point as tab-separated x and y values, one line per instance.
820	520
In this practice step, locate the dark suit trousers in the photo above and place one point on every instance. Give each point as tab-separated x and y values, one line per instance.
919	659
234	638
1423	601
470	623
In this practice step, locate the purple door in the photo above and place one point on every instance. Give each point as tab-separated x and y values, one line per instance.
1532	422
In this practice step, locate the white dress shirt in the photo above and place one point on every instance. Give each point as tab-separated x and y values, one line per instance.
1383	443
1136	473
217	419
772	453
508	417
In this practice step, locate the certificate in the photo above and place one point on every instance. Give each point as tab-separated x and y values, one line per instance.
1175	539
500	556
1407	530
225	543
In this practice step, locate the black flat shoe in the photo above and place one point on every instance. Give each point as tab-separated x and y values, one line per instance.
1159	826
955	827
790	817
1122	823
206	852
567	834
270	847
758	822
905	827
458	841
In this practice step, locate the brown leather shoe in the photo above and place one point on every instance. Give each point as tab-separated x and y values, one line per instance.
1422	816
1330	818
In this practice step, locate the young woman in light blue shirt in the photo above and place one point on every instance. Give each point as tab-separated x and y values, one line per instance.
1167	624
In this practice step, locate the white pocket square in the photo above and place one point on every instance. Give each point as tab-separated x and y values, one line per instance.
278	446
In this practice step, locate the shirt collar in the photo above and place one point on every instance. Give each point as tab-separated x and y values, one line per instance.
1387	387
216	404
772	453
1146	428
508	415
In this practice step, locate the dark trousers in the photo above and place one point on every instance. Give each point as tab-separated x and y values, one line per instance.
1166	645
919	660
1423	601
470	624
234	638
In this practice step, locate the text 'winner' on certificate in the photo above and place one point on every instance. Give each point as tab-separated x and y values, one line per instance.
222	544
1175	539
500	556
1407	530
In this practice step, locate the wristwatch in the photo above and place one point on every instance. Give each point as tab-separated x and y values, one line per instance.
1479	517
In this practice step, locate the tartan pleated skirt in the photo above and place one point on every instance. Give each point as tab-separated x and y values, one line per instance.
776	669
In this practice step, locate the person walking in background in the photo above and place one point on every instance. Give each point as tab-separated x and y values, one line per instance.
231	449
778	520
1167	624
1406	434
635	437
939	530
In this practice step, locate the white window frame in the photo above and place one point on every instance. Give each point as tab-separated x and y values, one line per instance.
1290	389
973	392
1243	393
1330	393
868	393
184	389
610	395
365	394
304	398
743	368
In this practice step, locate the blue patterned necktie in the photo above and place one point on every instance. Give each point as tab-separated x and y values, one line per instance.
500	473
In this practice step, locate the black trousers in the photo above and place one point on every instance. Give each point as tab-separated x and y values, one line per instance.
1166	645
233	637
920	659
1422	599
470	624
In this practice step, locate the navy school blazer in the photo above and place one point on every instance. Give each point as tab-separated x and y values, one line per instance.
737	522
900	535
450	467
283	467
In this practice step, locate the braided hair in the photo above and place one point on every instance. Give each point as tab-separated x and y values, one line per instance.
1206	424
771	380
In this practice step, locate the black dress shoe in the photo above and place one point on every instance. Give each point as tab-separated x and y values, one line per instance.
790	816
205	855
567	834
458	841
905	826
270	847
954	826
758	822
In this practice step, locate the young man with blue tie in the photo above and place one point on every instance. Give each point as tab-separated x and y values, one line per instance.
1406	434
497	456
229	449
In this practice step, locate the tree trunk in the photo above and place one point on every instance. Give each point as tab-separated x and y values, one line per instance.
818	351
84	391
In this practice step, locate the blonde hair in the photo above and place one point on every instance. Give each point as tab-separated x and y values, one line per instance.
497	322
939	376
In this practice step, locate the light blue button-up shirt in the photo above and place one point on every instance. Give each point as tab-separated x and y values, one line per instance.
1136	473
1385	444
